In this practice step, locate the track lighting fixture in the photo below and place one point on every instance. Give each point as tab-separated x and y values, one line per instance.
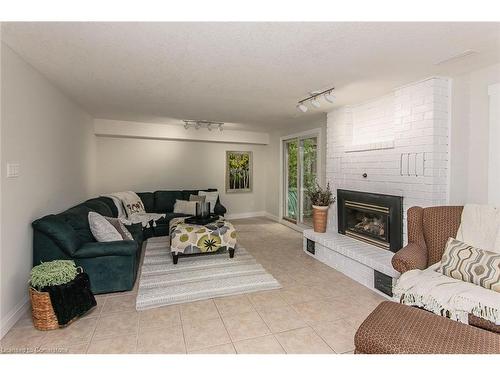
329	97
301	107
313	99
209	125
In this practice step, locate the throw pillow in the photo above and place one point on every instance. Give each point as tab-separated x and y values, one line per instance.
210	197
463	262
102	229
184	207
197	198
126	235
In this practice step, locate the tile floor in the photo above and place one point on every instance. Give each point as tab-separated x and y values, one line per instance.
317	311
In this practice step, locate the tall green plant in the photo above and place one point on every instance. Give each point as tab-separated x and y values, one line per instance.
320	196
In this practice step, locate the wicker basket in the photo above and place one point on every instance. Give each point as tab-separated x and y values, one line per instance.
44	318
42	312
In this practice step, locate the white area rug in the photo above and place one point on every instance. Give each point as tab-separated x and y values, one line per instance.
197	277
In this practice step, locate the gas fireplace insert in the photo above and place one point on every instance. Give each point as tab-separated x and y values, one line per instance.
370	217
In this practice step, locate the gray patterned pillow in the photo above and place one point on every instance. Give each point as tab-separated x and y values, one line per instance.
102	229
197	198
467	263
185	207
120	228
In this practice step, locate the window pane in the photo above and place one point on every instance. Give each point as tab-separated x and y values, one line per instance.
309	155
291	204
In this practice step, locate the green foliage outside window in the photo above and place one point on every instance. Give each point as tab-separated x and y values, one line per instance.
309	154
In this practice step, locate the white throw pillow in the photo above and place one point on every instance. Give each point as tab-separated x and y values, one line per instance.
210	197
102	229
185	207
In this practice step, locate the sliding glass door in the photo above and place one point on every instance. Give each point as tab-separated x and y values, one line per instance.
291	181
300	171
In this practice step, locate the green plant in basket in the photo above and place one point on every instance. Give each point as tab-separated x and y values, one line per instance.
56	272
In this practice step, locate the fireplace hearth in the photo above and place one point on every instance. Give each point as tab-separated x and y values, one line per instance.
373	218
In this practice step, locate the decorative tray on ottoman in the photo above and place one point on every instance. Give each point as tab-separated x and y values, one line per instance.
201	220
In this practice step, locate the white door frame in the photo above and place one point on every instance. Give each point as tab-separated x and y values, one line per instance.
316	132
494	145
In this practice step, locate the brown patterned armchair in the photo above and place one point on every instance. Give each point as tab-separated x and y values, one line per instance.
396	328
428	230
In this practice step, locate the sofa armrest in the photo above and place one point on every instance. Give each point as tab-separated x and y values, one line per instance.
410	257
102	249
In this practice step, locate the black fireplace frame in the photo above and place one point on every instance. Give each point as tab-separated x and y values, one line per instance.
392	202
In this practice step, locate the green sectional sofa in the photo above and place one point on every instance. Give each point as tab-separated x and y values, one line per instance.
111	266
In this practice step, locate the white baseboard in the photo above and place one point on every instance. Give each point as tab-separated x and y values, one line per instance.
272	217
14	315
268	216
245	215
292	225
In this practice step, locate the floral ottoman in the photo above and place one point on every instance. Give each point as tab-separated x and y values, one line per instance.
188	239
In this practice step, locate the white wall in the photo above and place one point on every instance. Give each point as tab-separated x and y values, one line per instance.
52	140
149	165
177	132
373	120
494	145
161	164
470	135
412	165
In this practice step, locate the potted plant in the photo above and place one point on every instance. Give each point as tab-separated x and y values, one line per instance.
321	200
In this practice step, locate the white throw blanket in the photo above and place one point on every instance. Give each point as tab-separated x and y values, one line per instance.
480	227
443	295
446	296
124	198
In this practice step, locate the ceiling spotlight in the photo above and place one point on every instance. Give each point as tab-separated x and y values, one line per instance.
329	97
203	124
313	98
301	107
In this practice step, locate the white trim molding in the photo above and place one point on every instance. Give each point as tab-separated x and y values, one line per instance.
370	146
11	319
494	89
245	215
293	226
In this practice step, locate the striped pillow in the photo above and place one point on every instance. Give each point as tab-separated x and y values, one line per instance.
467	263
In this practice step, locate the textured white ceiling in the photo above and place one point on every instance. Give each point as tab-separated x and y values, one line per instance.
249	74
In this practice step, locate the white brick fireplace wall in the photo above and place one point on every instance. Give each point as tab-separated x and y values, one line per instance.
399	140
